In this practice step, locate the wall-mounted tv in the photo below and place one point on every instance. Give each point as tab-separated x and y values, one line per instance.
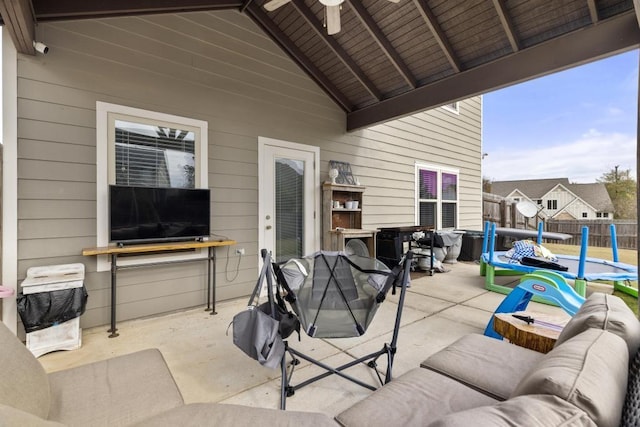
149	214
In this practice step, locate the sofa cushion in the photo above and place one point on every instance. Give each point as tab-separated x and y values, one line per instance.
489	365
413	399
114	392
530	411
23	381
588	371
10	416
608	312
217	414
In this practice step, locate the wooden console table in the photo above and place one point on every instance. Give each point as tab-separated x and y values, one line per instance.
114	251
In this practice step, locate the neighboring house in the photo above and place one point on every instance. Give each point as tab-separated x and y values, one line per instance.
106	81
556	198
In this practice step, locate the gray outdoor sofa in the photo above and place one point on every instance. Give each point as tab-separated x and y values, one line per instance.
475	381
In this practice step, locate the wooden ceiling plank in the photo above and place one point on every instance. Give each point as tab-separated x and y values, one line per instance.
335	47
438	34
593	10
384	44
17	15
256	13
47	10
505	20
609	37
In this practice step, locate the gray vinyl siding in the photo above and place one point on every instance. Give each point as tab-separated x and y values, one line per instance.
218	67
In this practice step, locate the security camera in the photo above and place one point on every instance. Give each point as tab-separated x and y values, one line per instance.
41	47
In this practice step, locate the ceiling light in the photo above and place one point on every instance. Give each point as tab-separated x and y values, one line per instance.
331	2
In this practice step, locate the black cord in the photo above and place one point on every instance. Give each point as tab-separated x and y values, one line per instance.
226	267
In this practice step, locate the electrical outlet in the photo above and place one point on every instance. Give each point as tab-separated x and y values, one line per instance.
240	251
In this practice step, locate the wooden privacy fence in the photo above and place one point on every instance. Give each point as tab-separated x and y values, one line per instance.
599	234
503	212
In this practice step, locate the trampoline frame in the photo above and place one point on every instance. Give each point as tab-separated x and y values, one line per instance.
491	266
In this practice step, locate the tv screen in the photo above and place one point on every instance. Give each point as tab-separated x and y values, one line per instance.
145	214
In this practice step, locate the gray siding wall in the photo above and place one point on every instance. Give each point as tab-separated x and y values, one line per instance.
218	67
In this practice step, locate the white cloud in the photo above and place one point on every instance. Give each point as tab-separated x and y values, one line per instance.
615	111
583	160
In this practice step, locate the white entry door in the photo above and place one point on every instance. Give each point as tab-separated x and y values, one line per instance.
288	212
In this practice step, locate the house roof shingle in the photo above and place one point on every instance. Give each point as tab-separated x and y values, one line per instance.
533	188
595	194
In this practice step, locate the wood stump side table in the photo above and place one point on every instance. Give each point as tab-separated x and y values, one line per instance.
533	336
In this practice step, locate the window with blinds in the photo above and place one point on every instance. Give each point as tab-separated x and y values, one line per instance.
289	177
428	193
154	156
437	197
449	199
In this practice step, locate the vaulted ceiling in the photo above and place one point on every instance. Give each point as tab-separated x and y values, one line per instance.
393	59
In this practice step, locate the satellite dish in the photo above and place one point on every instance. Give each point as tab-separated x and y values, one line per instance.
527	208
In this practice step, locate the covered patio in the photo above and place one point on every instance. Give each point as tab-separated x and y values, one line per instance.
209	368
251	73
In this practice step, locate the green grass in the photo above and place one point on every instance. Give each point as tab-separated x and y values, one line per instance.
626	256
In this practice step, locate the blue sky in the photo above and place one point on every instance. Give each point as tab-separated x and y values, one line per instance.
578	123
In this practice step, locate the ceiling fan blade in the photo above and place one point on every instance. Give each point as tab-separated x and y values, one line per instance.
272	5
333	20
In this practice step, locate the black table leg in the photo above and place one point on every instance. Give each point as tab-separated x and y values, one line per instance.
114	269
208	280
212	278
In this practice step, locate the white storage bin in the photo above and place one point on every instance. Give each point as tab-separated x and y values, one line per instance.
63	336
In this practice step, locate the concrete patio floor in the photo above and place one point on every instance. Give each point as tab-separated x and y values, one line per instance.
208	368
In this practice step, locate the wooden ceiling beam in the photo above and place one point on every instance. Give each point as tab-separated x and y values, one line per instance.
256	13
48	10
335	47
609	37
17	15
432	22
593	11
383	43
507	25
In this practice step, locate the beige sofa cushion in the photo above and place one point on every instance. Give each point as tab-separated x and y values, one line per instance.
489	365
413	399
588	371
608	312
10	416
529	411
214	414
23	381
114	392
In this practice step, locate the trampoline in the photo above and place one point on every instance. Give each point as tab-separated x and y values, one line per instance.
581	269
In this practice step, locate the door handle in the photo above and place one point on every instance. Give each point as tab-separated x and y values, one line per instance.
268	227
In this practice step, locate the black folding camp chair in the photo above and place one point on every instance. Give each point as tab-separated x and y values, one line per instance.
336	295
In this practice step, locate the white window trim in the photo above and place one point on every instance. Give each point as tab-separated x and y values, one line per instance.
455	110
106	112
439	169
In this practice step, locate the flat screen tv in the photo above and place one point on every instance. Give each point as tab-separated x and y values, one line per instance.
149	214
